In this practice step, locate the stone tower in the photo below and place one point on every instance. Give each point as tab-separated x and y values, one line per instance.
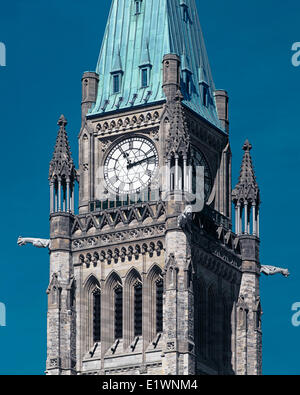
148	276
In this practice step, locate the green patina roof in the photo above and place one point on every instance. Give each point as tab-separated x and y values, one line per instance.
133	40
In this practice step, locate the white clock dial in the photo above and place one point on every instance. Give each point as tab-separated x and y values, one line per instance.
131	165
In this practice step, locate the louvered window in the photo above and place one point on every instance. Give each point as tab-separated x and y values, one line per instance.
138	313
116	83
159	306
118	313
138	6
96	315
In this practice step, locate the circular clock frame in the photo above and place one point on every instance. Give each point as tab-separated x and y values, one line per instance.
131	165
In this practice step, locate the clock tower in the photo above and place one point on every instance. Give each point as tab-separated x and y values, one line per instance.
149	276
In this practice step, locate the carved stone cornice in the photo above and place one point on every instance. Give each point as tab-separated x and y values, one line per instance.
115	254
117	125
216	257
112	218
228	271
115	238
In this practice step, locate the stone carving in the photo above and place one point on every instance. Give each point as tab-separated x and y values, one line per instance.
116	254
272	270
120	124
185	219
224	255
171	346
39	243
115	238
105	145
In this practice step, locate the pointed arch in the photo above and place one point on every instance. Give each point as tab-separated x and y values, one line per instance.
54	291
76	226
92	295
133	300
154	289
147	212
91	223
133	215
112	279
113	308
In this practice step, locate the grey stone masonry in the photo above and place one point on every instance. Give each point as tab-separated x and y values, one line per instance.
61	311
144	284
179	357
249	334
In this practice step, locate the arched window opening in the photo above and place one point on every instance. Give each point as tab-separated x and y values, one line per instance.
96	315
138	313
159	305
118	313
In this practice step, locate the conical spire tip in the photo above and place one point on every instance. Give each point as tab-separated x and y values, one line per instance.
247	146
62	121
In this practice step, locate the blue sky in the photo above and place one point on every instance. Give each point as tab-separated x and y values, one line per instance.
49	45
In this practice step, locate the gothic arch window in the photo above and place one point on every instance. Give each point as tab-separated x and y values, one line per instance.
154	302
118	316
138	309
96	315
113	308
133	306
159	305
92	292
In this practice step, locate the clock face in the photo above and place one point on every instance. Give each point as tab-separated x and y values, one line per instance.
199	160
130	166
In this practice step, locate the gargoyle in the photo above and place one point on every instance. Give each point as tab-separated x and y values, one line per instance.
185	219
39	243
271	270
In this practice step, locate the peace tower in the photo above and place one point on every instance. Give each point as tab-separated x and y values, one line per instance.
143	279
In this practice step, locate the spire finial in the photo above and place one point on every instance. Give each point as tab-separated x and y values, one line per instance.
62	122
247	146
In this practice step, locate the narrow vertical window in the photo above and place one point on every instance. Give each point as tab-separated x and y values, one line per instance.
96	315
72	297
211	325
205	96
159	305
187	81
144	75
138	314
138	6
116	83
118	313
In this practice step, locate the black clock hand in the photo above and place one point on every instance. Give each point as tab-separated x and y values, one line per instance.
125	156
131	165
